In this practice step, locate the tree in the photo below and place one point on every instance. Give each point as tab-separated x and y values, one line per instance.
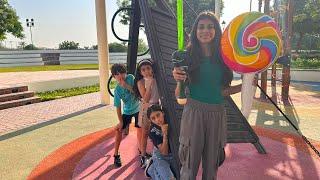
9	21
94	47
69	45
117	47
142	46
196	6
22	45
2	47
192	8
125	16
30	47
306	18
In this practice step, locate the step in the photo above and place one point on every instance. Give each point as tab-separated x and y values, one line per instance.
13	89
19	102
15	96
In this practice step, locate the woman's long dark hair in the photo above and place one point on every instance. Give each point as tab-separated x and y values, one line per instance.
195	51
138	76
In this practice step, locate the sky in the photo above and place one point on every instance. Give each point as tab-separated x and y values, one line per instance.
75	20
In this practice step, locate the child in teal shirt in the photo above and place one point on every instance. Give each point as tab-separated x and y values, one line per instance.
123	92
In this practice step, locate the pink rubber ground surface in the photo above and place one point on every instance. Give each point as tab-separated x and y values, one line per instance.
243	162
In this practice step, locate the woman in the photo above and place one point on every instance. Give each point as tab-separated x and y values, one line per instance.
203	123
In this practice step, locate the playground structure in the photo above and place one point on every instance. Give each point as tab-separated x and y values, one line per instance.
160	26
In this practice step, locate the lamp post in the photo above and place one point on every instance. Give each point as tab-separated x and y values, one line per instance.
30	24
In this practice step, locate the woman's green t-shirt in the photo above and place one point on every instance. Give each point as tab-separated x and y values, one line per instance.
207	89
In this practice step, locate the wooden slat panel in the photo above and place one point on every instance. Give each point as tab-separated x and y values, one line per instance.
168	26
159	18
167	43
166	31
166	50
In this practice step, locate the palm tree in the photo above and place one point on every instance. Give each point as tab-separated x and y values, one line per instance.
286	69
265	73
274	66
260	5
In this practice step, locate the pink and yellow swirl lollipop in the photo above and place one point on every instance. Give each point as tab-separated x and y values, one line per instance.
251	43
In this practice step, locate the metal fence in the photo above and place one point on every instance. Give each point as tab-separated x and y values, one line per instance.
33	57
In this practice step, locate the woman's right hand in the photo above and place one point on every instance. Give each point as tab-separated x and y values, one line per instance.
178	74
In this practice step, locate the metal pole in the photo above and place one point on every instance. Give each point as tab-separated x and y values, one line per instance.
133	37
30	24
31	36
250	5
103	50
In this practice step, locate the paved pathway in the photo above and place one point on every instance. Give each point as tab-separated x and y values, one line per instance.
13	119
24	116
15	78
303	110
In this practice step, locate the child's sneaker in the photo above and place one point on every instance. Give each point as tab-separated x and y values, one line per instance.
148	155
149	163
117	160
143	160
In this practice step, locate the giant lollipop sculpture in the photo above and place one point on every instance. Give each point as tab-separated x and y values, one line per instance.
250	44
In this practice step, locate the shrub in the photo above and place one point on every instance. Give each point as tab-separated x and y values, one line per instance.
30	47
302	63
69	45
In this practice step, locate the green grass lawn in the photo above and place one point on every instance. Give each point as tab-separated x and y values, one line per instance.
62	93
50	68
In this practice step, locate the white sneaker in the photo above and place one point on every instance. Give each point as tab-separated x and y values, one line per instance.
148	164
143	161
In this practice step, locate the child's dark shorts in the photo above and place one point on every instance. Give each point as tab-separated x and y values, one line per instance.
127	120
